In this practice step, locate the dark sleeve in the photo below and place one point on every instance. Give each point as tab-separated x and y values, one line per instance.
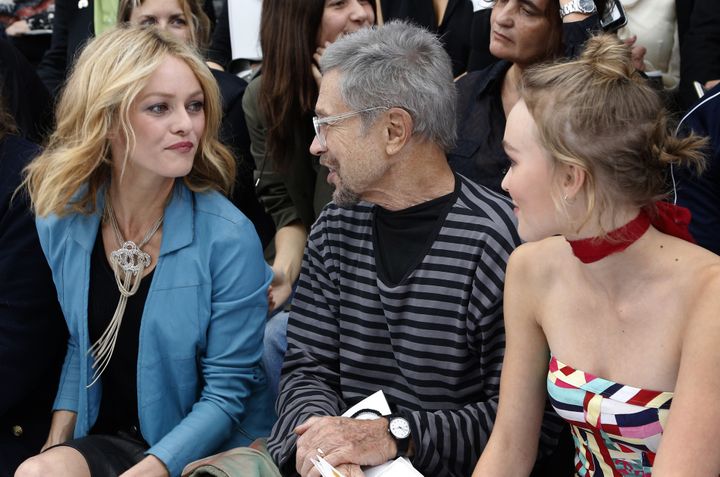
699	34
271	189
32	329
480	56
53	66
220	50
24	94
310	383
701	194
234	134
575	34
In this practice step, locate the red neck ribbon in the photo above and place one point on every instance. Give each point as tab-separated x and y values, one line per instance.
670	219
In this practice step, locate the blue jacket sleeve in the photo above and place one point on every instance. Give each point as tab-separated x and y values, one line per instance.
230	361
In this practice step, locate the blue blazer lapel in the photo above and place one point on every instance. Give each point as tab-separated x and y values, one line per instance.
178	224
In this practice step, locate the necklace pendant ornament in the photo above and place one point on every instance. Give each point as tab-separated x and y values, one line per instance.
130	258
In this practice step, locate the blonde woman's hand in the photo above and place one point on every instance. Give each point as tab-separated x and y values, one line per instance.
150	466
62	428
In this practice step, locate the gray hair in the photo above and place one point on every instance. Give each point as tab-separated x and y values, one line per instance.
398	65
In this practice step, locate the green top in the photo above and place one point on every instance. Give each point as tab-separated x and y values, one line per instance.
105	15
302	191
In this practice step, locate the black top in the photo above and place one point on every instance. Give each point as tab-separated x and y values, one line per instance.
478	154
699	38
33	334
701	194
403	237
25	96
119	404
454	29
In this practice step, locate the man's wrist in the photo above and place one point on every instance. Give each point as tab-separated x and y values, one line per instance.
400	432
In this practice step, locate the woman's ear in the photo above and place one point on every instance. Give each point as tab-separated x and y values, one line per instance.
399	129
573	179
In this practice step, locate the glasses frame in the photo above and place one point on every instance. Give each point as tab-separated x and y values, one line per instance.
331	120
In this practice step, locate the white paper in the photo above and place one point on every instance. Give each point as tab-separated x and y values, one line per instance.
376	402
399	467
244	18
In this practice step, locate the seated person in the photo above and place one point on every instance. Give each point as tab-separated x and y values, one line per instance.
401	283
152	264
523	33
701	194
608	308
32	330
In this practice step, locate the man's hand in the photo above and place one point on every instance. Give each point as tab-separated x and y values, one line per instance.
150	466
343	441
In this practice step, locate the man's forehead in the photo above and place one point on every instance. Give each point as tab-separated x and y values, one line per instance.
329	100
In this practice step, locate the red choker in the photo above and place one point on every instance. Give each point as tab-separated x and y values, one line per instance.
671	219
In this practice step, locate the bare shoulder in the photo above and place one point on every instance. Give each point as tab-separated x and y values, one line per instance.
535	262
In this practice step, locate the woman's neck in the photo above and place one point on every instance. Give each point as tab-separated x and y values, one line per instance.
600	224
137	207
511	88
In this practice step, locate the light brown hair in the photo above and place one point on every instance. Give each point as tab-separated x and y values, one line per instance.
599	114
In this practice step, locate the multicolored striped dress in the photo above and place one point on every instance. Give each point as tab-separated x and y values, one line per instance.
616	428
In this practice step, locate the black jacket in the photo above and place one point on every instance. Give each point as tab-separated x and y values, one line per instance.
33	333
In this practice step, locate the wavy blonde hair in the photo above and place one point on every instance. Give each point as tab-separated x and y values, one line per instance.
96	102
599	114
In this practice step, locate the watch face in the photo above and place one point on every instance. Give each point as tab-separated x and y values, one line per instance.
587	6
367	415
400	428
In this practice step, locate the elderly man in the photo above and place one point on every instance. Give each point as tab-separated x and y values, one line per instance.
401	284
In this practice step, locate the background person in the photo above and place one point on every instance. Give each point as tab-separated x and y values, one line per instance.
606	286
32	330
153	267
523	33
278	106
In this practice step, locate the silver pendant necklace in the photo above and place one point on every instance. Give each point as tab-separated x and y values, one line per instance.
128	264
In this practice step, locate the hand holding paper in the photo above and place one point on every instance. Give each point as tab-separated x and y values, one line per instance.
343	441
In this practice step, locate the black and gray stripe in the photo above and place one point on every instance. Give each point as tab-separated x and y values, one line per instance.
434	344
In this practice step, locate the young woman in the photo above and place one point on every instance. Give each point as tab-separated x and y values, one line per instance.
161	280
607	290
279	106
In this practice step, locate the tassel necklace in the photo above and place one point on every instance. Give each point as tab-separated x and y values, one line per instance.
128	263
670	219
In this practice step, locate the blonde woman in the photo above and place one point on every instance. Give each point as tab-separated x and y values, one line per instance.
608	306
161	280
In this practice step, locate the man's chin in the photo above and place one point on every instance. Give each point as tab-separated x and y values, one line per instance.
343	197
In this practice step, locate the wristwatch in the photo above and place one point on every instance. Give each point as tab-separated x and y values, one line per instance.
578	6
399	429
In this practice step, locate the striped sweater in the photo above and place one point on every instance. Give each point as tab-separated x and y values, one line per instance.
434	343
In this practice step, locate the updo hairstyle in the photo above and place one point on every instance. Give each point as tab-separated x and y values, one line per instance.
599	114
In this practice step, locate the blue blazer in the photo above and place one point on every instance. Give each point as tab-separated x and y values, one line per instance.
199	382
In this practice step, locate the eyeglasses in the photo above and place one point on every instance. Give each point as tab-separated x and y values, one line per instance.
318	123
